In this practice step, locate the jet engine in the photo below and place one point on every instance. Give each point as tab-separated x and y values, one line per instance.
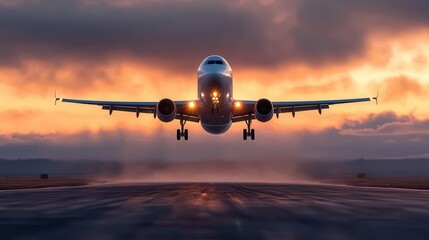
264	110
166	110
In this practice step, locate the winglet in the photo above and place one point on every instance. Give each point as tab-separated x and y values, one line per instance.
56	98
376	98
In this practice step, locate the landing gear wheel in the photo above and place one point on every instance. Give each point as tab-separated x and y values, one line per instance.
178	134
244	134
248	132
182	132
186	134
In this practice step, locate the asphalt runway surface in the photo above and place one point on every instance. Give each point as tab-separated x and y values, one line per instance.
214	211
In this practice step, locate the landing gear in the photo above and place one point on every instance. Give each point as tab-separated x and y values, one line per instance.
249	132
182	132
215	109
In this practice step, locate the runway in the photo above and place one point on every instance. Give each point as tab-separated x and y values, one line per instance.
214	211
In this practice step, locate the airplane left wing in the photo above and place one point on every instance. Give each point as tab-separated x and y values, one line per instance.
183	109
247	108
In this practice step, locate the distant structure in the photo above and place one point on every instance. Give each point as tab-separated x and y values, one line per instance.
44	176
360	176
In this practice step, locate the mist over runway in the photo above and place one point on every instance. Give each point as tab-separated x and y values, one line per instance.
213	211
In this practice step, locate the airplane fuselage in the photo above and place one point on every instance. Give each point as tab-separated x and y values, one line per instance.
215	94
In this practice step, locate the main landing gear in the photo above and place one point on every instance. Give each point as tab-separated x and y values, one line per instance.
249	132
182	132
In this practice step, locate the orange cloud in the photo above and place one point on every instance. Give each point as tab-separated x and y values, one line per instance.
335	86
399	89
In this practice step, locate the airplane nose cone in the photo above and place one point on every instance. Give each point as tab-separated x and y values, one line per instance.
213	80
216	88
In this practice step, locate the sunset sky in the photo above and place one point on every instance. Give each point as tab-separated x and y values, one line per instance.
149	50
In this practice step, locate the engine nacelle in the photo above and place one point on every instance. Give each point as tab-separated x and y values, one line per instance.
166	110
264	110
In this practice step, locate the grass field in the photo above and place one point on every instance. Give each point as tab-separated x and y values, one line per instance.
389	182
7	183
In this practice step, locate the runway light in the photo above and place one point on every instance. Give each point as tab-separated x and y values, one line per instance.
237	104
191	104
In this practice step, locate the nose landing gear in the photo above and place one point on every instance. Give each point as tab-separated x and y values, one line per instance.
249	132
182	132
215	109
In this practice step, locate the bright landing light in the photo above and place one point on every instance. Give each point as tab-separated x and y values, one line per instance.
191	104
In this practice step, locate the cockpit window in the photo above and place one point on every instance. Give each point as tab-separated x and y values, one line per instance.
215	62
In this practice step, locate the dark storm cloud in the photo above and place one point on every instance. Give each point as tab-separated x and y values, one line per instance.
374	121
325	31
394	12
333	30
172	32
181	33
387	124
384	135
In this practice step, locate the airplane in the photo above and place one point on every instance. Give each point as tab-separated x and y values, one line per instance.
215	108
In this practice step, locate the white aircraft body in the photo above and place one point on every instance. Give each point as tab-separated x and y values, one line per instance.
215	108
